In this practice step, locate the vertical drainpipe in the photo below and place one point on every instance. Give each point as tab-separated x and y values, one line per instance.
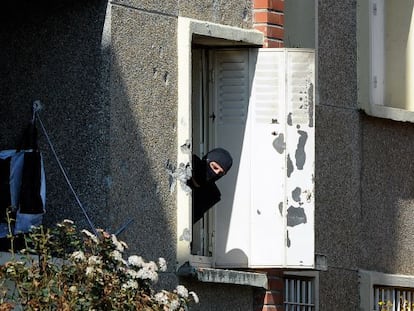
268	17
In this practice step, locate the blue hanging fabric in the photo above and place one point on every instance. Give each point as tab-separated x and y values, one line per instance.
22	185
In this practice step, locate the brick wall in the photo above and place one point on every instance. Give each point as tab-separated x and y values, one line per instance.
268	18
272	298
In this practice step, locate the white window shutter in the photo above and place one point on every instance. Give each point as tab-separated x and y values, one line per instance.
265	118
300	153
268	144
231	100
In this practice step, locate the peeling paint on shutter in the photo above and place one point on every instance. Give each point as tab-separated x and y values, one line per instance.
300	132
268	145
265	103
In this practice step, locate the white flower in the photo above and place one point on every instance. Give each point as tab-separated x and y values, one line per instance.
90	271
90	235
130	284
146	273
195	297
161	298
78	255
124	244
136	261
182	291
120	246
117	256
65	222
94	260
151	266
73	289
162	264
149	271
174	305
132	273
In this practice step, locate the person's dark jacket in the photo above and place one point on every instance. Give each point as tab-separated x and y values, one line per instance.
205	195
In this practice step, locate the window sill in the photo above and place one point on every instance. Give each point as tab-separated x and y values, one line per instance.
386	112
211	275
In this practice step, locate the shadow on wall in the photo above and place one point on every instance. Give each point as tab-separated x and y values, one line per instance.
52	51
387	196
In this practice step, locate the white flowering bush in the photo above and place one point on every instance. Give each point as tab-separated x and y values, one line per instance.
92	273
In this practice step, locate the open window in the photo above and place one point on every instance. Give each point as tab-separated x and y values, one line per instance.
386	58
259	105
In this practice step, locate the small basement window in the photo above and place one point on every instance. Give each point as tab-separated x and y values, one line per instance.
299	294
393	298
383	292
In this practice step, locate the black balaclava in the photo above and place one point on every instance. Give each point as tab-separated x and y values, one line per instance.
222	157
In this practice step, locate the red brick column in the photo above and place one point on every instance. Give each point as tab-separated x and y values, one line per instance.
268	18
272	298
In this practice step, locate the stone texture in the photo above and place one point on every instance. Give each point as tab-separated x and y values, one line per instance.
339	288
157	7
337	53
337	185
220	296
111	115
142	128
233	13
387	196
51	52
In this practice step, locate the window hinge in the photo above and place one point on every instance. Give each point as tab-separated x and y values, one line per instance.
211	246
374	9
375	82
211	76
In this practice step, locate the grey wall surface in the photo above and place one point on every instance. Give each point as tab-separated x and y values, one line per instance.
142	128
221	296
338	156
364	171
299	24
233	13
387	196
110	110
108	83
51	52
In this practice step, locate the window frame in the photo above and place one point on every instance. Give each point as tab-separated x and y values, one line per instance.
371	279
371	62
187	29
194	33
312	276
398	296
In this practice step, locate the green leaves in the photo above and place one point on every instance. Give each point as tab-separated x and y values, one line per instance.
63	268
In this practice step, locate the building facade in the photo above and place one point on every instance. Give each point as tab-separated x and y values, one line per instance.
122	86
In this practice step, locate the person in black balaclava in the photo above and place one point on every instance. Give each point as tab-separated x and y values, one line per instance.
206	171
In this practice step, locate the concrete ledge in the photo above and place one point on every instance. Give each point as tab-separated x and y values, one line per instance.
212	275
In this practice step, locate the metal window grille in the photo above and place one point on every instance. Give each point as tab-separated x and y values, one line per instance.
393	298
299	294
